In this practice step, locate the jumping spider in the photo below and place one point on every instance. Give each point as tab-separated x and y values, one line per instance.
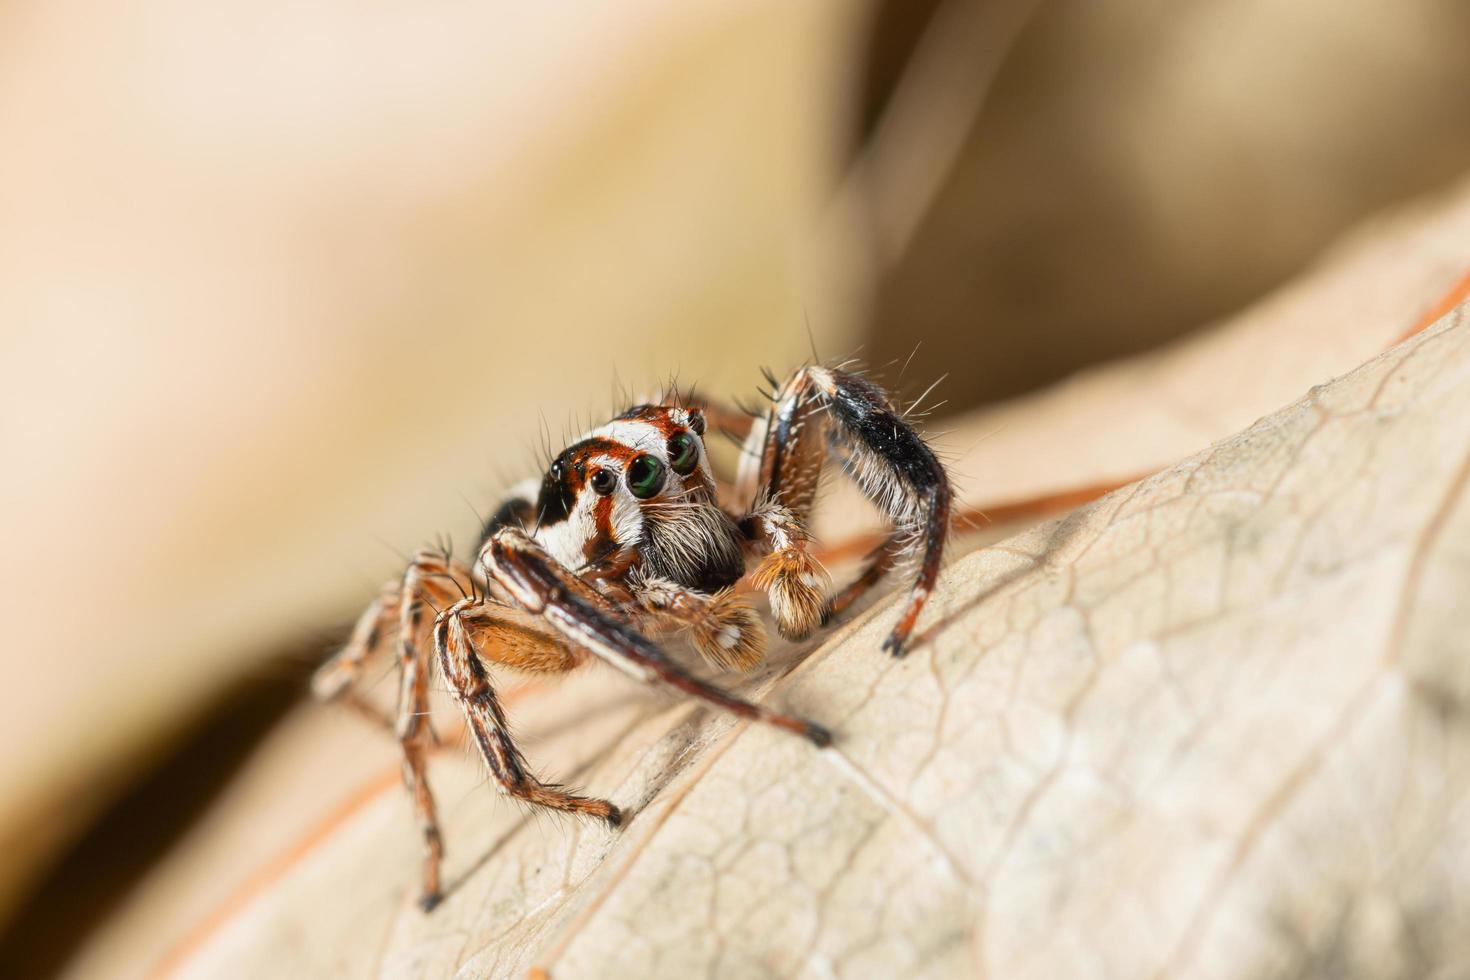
626	534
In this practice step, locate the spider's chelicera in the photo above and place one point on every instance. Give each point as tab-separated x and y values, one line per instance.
625	535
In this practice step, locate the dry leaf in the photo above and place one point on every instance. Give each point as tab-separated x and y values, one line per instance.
1214	723
1118	726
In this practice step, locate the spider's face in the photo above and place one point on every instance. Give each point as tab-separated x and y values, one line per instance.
609	490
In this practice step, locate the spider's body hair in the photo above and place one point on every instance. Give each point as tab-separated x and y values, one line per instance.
695	544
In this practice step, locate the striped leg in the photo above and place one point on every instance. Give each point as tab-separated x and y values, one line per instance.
431	577
456	633
337	679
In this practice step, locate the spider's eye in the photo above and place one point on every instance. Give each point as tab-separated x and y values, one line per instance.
645	476
683	453
603	482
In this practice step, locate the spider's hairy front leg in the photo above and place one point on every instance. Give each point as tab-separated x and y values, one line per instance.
792	578
822	409
469	629
585	618
723	628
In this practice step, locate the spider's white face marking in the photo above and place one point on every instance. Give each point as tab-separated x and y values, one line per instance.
580	521
565	540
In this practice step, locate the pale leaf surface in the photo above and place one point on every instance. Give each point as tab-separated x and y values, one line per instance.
1209	722
1213	723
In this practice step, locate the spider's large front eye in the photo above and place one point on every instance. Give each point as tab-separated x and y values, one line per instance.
683	453
645	476
603	482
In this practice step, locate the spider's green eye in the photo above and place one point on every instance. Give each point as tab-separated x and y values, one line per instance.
645	476
683	453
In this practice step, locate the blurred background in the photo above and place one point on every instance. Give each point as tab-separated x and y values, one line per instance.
288	289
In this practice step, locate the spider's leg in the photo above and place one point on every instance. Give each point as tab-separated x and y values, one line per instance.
429	576
879	562
462	634
339	678
889	461
336	678
723	627
576	611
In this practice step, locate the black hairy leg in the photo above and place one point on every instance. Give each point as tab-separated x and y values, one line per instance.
823	411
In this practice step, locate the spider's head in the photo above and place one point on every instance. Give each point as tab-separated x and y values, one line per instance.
641	483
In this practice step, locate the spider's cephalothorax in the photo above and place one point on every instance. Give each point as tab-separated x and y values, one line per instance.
625	537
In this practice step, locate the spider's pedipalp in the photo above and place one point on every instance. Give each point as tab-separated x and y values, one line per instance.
723	627
795	582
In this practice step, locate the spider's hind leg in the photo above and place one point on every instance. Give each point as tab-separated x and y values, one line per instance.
890	462
338	678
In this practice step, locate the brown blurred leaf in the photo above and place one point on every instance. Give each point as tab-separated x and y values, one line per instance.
1213	722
